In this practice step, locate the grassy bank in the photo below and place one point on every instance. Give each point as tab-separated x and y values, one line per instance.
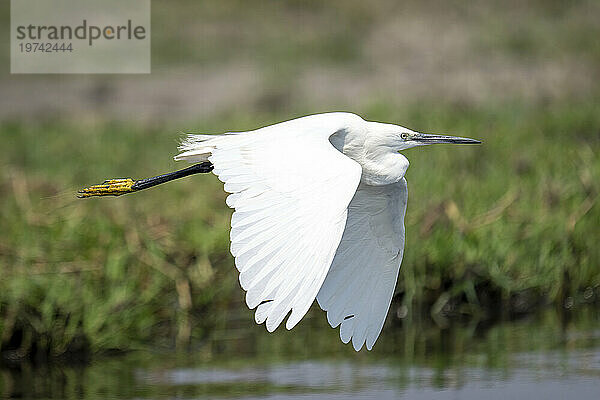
493	231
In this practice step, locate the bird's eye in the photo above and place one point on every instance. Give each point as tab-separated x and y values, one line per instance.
404	135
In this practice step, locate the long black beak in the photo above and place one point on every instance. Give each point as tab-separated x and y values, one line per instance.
428	138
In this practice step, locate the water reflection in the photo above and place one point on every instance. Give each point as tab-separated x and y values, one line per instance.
547	376
545	357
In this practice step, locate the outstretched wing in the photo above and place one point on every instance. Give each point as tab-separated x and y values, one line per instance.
290	189
358	289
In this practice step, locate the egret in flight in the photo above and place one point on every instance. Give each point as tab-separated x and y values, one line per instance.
319	213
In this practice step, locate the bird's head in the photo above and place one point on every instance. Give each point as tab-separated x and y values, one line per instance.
405	139
397	138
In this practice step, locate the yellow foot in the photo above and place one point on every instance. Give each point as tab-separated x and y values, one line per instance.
111	187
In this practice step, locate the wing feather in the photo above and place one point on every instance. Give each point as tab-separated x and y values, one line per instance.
359	286
290	189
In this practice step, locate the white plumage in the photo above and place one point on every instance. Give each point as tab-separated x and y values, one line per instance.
319	213
359	286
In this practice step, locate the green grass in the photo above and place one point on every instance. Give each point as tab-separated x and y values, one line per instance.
492	231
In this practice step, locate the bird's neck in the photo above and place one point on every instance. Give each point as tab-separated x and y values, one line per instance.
385	169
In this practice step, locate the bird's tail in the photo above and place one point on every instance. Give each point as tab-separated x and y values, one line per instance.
197	148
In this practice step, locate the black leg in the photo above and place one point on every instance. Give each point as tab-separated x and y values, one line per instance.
117	187
157	180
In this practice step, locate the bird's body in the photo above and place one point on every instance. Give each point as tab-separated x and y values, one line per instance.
319	213
370	144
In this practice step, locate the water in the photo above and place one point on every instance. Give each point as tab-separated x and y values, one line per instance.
548	356
550	376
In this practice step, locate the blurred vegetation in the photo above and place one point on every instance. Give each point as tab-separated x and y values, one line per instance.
493	231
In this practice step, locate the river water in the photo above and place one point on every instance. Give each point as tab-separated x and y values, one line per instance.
546	356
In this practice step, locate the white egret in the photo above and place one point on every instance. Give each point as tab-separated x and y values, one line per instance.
319	213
